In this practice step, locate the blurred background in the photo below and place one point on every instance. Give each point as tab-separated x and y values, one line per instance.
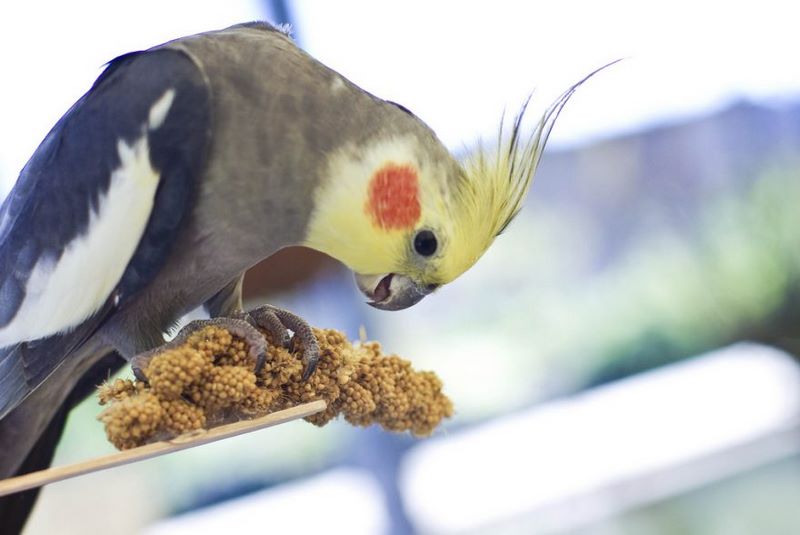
624	358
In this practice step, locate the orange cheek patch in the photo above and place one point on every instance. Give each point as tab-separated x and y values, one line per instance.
393	197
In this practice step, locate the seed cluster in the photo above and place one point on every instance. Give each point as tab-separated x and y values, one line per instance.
210	379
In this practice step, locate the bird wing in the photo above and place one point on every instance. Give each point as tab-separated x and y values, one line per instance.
95	210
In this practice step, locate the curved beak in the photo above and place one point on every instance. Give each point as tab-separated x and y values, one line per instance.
392	291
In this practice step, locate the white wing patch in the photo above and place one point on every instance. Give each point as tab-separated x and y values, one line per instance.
158	112
61	294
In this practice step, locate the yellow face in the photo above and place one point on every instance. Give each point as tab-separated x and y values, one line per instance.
386	214
407	218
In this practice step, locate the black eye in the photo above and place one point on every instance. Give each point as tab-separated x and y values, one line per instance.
425	243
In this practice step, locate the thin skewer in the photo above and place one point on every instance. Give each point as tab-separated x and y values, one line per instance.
148	451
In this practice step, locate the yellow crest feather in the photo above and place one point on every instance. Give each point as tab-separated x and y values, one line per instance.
495	182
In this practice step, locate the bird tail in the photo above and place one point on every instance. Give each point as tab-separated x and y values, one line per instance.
16	508
29	433
14	383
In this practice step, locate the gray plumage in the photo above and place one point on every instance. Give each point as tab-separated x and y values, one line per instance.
240	154
53	200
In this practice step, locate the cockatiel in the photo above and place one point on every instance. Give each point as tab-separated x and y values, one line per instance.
188	163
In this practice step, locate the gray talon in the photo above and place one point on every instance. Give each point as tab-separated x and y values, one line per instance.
303	332
140	362
310	356
266	318
257	346
276	321
139	374
260	361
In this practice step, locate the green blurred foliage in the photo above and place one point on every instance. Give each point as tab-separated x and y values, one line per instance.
537	318
737	278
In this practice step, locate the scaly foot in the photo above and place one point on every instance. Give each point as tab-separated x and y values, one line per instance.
236	326
277	322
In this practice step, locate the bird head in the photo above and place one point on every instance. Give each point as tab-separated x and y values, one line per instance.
407	218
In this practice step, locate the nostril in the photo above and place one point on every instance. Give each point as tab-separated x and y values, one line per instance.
431	287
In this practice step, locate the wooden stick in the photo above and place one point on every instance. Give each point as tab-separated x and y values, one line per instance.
148	451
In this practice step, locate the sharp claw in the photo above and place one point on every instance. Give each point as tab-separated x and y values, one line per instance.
303	332
277	320
260	361
310	352
274	320
310	360
140	362
257	346
139	374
